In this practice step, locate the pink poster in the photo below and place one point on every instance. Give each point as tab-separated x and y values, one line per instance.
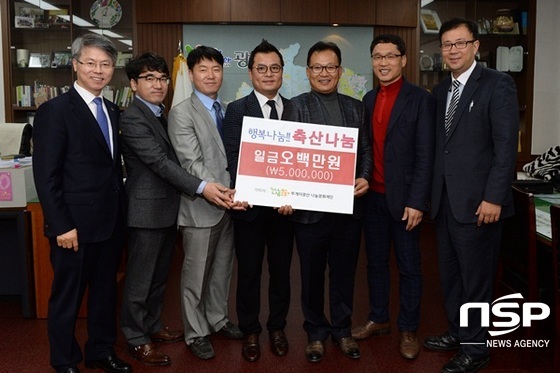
6	186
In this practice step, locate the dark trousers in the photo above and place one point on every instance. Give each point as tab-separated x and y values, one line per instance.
468	257
334	240
149	258
93	266
275	232
380	230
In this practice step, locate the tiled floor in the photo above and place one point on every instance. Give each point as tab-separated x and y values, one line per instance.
24	345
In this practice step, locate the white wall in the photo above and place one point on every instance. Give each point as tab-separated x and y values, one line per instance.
546	101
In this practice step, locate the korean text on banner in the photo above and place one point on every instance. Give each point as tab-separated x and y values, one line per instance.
307	166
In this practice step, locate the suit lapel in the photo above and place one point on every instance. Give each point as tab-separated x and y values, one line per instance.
82	111
154	121
466	97
199	107
399	106
253	106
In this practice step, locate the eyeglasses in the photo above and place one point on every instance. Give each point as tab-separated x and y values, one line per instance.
92	65
389	58
262	69
318	69
150	79
459	45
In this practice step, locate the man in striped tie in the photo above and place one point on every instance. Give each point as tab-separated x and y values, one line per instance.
476	149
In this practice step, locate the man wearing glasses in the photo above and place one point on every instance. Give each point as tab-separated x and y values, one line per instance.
260	226
401	120
476	149
329	238
78	176
154	182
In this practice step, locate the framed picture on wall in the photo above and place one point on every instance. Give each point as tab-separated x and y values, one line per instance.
61	59
430	22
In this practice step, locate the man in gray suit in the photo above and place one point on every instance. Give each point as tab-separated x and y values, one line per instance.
195	132
154	183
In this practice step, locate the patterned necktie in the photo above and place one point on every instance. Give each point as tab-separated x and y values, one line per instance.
273	112
452	107
102	120
219	118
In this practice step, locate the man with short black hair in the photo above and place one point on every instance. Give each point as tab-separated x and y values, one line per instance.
195	129
260	226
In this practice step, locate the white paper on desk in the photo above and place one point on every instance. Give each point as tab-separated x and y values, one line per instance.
544	225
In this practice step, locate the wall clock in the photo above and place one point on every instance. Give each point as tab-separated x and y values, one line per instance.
105	13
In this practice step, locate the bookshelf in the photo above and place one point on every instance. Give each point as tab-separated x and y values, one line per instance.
37	39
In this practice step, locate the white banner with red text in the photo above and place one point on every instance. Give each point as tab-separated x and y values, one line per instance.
307	166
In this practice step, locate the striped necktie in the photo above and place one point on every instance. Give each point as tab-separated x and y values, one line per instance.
452	106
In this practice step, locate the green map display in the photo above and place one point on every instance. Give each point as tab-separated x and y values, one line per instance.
236	42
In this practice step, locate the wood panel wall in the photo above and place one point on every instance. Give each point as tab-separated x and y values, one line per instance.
162	39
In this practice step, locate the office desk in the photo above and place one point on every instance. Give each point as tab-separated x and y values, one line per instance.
42	264
542	214
16	259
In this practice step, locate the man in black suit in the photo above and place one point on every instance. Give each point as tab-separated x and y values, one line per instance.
329	238
78	176
401	119
476	147
259	226
154	183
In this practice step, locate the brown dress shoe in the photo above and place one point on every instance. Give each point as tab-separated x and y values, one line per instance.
167	335
409	345
251	350
149	355
315	351
279	343
348	347
370	328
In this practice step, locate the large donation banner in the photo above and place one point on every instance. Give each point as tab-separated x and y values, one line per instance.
307	166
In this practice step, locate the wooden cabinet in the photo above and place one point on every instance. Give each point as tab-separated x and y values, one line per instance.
352	13
265	11
199	11
308	12
517	45
167	11
37	43
402	13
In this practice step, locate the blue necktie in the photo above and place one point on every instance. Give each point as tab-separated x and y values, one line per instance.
219	118
102	120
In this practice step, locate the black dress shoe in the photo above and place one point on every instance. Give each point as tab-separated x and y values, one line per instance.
463	363
251	350
279	343
111	364
202	348
444	342
231	331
